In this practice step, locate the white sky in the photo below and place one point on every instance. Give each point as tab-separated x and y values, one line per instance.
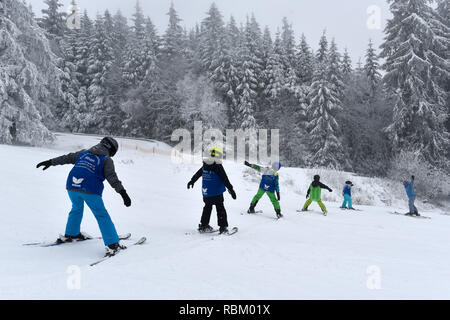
346	20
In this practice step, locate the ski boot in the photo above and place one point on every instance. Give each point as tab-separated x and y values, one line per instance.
112	249
252	207
205	229
223	230
351	208
325	213
278	212
66	238
304	209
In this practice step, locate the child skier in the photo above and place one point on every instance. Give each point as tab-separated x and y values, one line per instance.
411	192
347	193
314	194
269	185
214	183
85	184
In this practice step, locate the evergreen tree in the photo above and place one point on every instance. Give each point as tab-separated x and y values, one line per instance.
371	67
305	62
323	129
412	66
347	68
53	21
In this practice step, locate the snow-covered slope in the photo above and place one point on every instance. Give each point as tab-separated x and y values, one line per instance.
368	254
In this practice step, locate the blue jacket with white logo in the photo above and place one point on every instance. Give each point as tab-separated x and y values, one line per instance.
87	174
214	179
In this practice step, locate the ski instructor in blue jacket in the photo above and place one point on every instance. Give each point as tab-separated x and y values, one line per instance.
85	184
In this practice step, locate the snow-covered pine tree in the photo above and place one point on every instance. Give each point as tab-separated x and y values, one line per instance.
288	46
99	64
305	62
323	130
29	78
53	20
412	65
442	29
371	67
335	70
347	68
248	86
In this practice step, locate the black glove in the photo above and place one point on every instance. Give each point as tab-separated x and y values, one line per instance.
126	198
190	184
330	190
46	164
412	177
233	194
307	195
247	164
278	196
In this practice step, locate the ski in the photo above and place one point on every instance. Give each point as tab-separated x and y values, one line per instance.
203	232
56	243
349	209
245	212
408	215
106	257
230	232
322	213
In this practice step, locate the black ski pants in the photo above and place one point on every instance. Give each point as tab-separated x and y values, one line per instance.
221	212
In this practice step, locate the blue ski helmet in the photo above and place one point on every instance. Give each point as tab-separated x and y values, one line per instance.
276	165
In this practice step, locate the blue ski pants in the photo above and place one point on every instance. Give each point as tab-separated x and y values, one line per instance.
95	203
412	207
347	199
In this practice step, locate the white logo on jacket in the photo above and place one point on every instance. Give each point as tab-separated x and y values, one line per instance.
77	182
205	190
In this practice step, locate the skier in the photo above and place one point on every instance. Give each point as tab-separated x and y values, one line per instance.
269	185
314	194
411	192
347	193
214	183
85	184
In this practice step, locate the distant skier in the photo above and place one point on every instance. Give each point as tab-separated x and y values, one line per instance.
411	192
315	194
269	185
85	184
347	193
214	184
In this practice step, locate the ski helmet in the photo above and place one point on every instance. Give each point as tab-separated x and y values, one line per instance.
276	165
216	152
316	177
110	144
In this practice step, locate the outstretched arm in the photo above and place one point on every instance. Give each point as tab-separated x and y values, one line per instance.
323	186
70	158
253	166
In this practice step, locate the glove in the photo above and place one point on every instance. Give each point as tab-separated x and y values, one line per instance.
46	164
190	185
247	164
126	198
412	177
330	190
233	194
307	195
278	196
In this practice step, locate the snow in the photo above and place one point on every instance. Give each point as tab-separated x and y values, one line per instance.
302	256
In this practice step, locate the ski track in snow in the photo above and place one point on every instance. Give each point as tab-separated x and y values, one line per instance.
302	256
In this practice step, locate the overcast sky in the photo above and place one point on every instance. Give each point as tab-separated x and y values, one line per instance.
346	20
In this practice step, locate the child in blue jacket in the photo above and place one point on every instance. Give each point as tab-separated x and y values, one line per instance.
347	193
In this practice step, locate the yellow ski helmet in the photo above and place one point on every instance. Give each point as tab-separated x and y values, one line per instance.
216	152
